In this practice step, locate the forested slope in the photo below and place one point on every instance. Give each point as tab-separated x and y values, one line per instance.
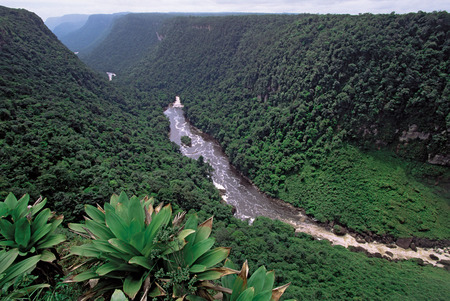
71	136
302	103
96	28
130	38
67	134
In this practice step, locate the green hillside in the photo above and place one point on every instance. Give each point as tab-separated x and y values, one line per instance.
94	30
301	105
130	38
69	135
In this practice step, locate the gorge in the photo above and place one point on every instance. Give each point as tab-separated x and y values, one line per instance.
250	203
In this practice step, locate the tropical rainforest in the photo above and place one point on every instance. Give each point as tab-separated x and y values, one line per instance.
344	116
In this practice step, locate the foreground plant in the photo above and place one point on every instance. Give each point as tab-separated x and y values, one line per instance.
258	287
26	234
27	228
146	252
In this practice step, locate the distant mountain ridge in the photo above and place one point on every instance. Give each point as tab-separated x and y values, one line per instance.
128	41
76	20
93	31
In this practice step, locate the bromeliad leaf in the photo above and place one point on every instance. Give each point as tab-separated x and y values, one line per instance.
132	286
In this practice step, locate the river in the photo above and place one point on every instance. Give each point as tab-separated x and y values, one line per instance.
251	203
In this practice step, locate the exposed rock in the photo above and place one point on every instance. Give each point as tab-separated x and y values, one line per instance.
404	242
376	255
360	240
368	238
439	159
389	253
444	262
392	246
413	247
357	249
413	134
420	261
434	257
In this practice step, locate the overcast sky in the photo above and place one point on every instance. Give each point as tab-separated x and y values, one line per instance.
56	8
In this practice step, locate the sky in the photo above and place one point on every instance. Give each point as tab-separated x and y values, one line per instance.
56	8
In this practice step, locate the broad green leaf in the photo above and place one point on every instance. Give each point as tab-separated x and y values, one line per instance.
214	274
23	267
213	257
77	227
94	213
56	222
7	258
135	228
8	243
113	200
137	213
11	201
51	241
185	233
257	279
37	207
40	233
197	250
197	268
124	247
7	229
142	261
86	250
4	209
138	241
86	275
192	222
238	287
247	295
117	225
132	286
107	268
204	230
100	230
118	295
21	209
263	296
269	281
22	234
41	219
47	256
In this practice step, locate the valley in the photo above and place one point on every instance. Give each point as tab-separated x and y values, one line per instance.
331	135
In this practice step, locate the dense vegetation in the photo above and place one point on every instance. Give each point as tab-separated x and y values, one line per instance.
321	272
130	38
296	101
69	135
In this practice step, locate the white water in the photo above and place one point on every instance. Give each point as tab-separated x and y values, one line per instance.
250	203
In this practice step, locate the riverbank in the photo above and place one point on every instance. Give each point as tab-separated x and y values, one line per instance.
249	202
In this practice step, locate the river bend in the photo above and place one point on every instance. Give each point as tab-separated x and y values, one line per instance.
250	203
